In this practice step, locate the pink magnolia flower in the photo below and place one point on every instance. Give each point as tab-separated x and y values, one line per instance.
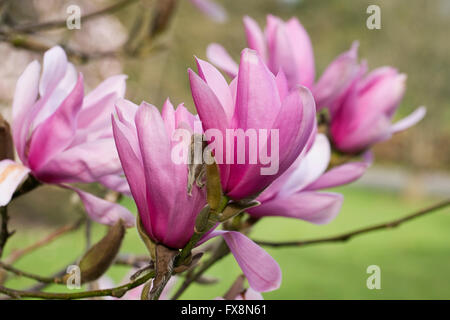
286	46
296	193
211	9
254	100
362	116
144	140
62	136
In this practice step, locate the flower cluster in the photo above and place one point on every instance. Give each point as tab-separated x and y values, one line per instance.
269	105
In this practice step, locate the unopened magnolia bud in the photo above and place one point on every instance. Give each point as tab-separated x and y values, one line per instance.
99	258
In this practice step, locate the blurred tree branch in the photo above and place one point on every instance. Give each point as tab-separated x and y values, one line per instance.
347	236
41	26
5	234
113	292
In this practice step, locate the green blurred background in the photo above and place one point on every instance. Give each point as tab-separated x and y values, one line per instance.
414	259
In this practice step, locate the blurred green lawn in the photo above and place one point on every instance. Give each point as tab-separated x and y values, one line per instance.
414	258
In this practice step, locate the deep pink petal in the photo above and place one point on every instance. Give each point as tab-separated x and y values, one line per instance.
257	100
208	105
57	132
261	270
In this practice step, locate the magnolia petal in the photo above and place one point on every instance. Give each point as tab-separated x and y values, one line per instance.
340	175
209	108
261	270
311	206
255	37
257	100
103	211
133	168
218	85
82	163
58	131
25	95
221	59
12	174
410	120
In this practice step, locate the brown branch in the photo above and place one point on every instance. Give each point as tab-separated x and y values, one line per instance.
113	292
5	234
29	275
347	236
35	27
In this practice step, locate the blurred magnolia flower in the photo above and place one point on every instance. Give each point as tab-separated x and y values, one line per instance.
211	9
296	193
62	136
362	116
286	46
159	187
254	100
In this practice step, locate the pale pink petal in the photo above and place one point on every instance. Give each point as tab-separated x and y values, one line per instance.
340	175
315	207
255	37
12	174
409	121
27	89
54	69
103	211
86	163
218	56
218	85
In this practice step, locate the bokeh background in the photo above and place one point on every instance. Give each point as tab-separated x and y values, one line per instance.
411	170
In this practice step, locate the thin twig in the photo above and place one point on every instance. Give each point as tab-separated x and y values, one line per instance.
16	255
5	234
113	292
29	275
347	236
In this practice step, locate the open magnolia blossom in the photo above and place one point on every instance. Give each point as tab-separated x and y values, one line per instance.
144	141
296	193
255	100
362	116
286	46
62	136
